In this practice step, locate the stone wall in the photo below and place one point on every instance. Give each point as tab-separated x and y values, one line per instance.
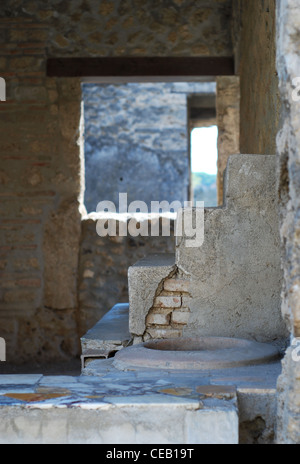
40	174
254	34
40	219
136	141
126	27
288	162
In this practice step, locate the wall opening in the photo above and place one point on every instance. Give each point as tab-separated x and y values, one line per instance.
203	140
137	140
204	157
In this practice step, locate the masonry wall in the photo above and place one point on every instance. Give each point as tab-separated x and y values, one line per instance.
40	147
254	36
40	219
288	149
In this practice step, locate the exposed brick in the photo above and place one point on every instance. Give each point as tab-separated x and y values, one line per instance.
180	317
167	302
177	285
158	319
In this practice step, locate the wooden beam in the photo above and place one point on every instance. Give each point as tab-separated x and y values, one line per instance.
140	67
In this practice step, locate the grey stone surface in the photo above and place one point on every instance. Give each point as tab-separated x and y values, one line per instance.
144	279
109	335
121	424
236	274
196	354
111	329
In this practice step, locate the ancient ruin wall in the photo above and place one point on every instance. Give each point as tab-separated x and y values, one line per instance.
254	32
40	154
288	162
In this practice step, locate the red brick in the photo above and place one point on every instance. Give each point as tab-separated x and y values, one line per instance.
167	302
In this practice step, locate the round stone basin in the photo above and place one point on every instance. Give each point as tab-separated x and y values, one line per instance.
195	353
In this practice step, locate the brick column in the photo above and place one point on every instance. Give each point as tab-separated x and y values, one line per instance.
228	121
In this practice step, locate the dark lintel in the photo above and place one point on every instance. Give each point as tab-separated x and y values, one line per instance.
140	66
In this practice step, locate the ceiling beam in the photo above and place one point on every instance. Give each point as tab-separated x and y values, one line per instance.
140	67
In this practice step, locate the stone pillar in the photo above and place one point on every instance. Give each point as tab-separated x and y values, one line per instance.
228	121
288	163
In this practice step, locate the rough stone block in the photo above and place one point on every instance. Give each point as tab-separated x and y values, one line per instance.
108	335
